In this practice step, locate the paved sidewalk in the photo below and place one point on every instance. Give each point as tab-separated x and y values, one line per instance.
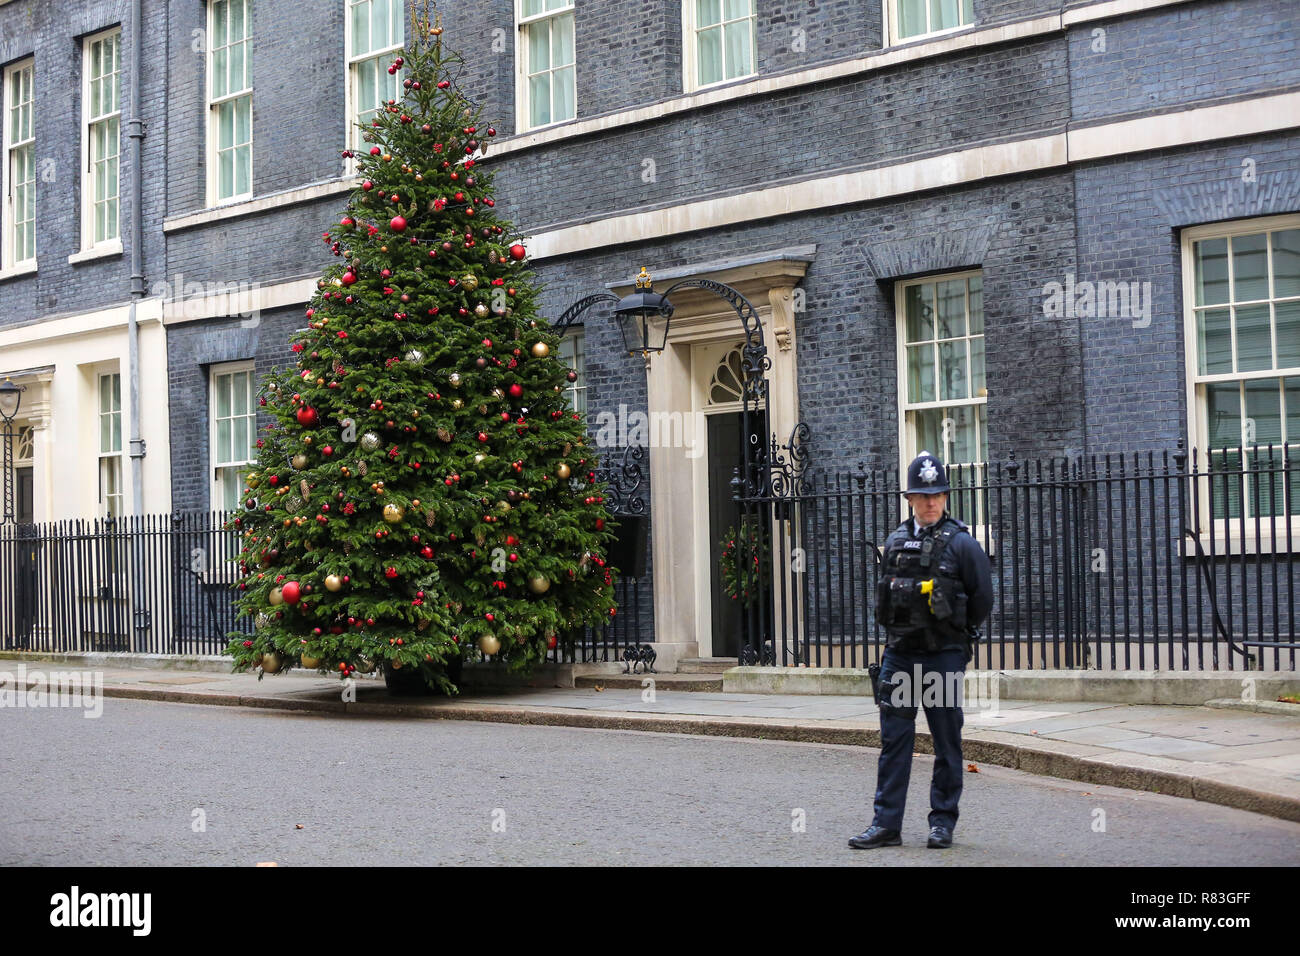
1236	758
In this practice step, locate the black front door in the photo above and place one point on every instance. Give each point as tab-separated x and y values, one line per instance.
724	519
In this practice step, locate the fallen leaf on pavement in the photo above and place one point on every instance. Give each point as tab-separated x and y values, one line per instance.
971	768
297	826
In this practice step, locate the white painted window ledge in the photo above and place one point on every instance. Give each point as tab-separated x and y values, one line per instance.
102	251
22	269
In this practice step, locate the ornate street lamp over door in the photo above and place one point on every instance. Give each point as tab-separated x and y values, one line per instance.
11	396
638	314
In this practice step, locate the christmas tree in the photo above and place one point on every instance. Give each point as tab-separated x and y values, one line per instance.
424	494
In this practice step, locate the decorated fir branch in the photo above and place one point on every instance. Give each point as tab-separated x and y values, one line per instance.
424	492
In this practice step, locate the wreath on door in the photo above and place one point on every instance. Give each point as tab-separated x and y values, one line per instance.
743	561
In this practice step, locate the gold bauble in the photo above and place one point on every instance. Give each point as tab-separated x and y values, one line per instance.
276	597
454	379
333	582
539	584
457	404
481	310
478	459
489	644
541	350
394	513
311	663
563	471
272	662
503	506
469	282
299	461
497	393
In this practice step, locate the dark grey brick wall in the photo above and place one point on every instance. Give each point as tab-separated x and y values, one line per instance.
1192	52
206	343
1129	213
882	117
51	31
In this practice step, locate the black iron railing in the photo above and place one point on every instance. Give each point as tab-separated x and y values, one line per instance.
1142	561
150	584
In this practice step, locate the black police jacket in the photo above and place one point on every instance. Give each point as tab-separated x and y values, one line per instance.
962	572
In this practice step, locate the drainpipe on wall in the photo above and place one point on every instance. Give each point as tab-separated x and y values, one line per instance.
135	133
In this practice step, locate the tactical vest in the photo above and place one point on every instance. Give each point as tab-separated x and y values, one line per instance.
920	598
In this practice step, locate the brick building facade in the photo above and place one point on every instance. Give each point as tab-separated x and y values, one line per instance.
897	186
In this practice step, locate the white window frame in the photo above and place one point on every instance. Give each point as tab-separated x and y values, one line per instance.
214	104
89	199
1226	532
8	207
216	372
907	441
523	101
690	47
892	20
109	458
350	64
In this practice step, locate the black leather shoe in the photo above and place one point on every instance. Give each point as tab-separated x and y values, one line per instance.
940	838
874	836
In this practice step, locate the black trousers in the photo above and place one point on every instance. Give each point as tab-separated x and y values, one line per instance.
905	686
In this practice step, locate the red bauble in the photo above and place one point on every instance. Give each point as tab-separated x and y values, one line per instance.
517	251
390	572
550	643
307	416
291	592
516	390
349	278
397	224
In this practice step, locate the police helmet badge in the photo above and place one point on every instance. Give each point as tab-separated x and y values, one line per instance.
928	472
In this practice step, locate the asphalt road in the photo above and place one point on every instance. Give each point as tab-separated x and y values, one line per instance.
127	788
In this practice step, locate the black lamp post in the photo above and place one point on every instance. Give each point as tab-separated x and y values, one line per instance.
638	313
11	396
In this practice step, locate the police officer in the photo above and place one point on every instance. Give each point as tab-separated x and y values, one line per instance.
935	589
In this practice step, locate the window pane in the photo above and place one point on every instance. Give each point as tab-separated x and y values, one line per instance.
367	86
380	24
220	72
237	80
978	386
222	451
564	94
951	308
943	14
223	390
911	17
920	312
1254	338
539	100
967	11
226	125
239	439
965	440
1223	414
243	119
239	393
237	28
707	12
1214	341
243	170
105	433
562	41
952	370
1263	412
539	47
532	7
1286	264
116	418
1249	267
739	48
928	429
1292	386
710	56
361	28
228	489
226	174
735	9
976	286
116	391
920	373
1287	315
1212	272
